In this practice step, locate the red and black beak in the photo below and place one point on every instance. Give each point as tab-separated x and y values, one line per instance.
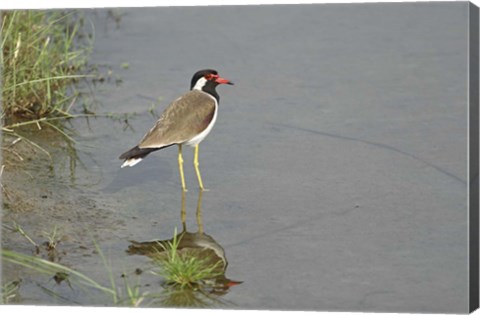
220	80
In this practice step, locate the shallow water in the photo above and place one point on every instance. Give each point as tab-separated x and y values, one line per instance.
336	169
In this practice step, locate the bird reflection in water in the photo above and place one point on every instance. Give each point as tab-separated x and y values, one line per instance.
196	246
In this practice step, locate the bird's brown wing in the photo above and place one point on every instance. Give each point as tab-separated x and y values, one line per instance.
181	121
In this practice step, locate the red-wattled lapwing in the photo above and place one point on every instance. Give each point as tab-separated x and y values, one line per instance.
188	120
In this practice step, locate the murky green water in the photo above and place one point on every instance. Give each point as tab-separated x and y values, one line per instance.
336	169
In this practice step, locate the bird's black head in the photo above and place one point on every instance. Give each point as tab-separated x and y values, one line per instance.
207	79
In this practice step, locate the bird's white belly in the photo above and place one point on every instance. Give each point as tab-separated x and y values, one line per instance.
198	138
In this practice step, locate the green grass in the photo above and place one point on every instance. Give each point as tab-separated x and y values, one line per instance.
9	291
41	58
127	295
181	269
43	54
51	268
53	237
183	273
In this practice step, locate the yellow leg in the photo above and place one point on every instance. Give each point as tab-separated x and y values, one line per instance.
180	167
197	170
183	212
199	212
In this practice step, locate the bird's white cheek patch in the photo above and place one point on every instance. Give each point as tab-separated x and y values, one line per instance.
200	84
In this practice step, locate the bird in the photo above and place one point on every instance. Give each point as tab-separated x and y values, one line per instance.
186	121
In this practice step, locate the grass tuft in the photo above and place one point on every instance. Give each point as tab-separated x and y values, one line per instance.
41	57
182	269
10	291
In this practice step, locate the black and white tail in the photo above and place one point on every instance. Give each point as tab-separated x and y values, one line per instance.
135	155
